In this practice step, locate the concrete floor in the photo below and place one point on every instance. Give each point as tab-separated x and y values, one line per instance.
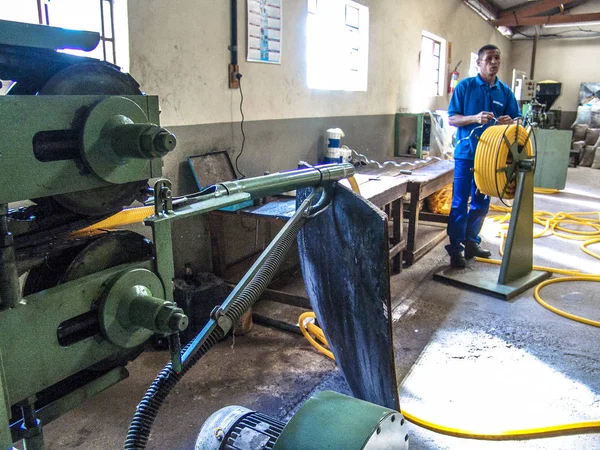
463	359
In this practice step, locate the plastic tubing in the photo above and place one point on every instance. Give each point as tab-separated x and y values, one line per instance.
493	154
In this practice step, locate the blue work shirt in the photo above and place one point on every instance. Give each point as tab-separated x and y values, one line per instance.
473	95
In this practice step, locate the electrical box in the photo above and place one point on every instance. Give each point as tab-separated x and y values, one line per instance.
525	90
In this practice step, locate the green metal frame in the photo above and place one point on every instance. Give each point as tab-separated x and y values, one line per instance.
41	36
49	113
42	361
419	130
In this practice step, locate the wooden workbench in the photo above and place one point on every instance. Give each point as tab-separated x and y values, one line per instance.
425	179
386	188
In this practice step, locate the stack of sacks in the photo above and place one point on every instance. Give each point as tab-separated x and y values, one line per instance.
585	141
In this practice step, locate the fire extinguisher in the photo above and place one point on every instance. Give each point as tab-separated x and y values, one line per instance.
453	79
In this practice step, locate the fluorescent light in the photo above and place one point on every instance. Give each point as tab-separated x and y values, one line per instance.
573	24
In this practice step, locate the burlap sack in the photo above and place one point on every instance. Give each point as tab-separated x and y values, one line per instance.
591	136
587	157
596	163
579	131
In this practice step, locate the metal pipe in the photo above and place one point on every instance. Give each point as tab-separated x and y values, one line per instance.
533	54
276	183
233	192
233	47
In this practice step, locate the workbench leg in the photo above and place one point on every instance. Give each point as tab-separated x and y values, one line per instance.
413	224
217	241
397	213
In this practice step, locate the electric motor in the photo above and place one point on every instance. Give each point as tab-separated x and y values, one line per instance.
328	420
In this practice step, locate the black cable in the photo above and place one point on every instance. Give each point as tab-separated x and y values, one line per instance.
242	128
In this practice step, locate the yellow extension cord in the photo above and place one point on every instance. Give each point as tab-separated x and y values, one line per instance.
551	223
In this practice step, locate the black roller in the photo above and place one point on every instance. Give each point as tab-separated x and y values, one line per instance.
96	78
92	256
91	78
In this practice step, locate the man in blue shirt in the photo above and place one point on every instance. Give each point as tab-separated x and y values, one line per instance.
476	103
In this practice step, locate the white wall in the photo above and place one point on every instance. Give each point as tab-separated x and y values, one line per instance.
179	52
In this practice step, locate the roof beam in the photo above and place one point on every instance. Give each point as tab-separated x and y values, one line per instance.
546	20
534	8
491	7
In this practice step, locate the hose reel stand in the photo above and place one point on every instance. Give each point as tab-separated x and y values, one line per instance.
504	168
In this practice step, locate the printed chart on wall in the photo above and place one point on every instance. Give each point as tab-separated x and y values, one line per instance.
264	31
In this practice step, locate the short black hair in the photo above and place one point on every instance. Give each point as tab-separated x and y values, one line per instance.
484	49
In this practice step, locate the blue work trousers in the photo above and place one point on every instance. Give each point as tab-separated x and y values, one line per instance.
466	220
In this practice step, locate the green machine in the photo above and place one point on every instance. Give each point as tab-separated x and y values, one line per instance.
80	141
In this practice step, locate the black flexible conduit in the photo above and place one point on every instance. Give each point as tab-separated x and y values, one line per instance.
147	410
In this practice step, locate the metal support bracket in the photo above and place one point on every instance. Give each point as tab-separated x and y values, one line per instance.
516	272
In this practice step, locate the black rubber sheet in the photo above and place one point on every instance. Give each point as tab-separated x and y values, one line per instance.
345	263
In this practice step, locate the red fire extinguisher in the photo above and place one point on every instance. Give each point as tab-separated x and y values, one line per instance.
453	79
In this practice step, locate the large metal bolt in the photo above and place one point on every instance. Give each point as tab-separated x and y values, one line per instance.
178	322
164	142
156	141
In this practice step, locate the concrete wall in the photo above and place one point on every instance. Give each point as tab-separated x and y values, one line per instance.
179	52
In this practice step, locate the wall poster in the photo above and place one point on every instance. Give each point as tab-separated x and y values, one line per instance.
264	31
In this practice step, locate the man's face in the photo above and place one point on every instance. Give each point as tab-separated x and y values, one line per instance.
489	63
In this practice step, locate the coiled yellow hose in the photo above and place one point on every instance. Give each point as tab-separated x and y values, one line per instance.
552	223
493	154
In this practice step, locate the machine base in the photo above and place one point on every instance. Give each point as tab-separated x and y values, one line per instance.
486	282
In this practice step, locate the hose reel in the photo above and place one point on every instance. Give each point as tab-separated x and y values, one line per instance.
504	168
496	161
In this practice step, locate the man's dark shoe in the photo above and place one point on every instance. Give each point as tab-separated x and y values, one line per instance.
458	261
473	250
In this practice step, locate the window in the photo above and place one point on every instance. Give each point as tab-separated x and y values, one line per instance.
473	69
107	17
433	64
337	45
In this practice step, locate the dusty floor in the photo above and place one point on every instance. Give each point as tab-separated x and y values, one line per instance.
463	360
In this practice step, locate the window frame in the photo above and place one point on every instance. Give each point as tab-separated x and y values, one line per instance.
440	67
337	36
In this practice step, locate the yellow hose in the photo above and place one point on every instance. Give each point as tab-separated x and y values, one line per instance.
125	217
303	322
525	433
585	244
546	191
354	184
538	288
493	154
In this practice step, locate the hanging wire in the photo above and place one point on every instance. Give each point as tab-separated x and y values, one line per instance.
242	128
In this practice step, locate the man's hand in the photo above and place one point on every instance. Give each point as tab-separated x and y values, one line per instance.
484	117
505	120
